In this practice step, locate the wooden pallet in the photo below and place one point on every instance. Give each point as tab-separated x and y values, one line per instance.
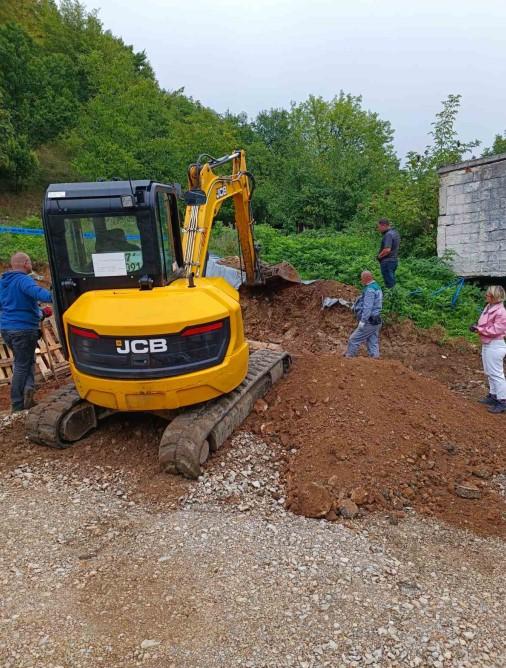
49	359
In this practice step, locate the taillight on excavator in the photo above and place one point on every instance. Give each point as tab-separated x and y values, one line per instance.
86	333
162	356
202	329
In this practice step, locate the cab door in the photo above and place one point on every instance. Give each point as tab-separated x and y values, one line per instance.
167	217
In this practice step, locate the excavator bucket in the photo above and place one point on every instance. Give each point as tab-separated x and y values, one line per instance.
283	271
271	275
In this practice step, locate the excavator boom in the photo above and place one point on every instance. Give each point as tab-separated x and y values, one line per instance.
207	192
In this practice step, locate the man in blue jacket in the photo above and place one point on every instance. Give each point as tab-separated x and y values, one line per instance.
19	324
367	309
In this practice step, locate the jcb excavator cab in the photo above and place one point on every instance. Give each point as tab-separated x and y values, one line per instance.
136	335
111	235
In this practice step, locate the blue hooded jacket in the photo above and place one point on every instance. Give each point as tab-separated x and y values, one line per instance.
19	297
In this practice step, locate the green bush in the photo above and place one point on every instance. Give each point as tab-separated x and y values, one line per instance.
33	222
223	240
34	246
12	243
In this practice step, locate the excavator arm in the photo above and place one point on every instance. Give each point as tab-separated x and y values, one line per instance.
207	192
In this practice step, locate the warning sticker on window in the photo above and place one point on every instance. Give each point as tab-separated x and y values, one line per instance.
109	264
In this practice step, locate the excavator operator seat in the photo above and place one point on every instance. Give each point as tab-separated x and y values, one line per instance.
113	241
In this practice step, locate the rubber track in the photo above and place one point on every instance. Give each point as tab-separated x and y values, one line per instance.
43	420
187	440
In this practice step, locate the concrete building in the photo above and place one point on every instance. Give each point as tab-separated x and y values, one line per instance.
472	216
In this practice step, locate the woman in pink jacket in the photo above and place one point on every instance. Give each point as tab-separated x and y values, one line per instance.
492	329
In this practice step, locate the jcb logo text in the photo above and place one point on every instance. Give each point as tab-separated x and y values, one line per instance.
142	346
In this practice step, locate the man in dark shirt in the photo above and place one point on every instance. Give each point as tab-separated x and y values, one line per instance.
388	255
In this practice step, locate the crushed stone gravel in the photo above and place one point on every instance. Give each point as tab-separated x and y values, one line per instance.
91	577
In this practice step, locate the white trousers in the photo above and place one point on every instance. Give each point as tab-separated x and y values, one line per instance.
492	355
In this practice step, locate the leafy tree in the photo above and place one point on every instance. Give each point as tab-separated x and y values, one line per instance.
131	127
142	64
411	199
38	97
499	146
324	159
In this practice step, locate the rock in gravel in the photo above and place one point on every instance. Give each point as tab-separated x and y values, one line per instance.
482	472
467	490
147	644
314	500
359	496
348	509
261	406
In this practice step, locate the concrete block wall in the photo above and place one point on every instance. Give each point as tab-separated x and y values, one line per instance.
472	216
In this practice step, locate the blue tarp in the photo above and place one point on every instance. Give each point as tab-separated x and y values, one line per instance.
22	230
39	232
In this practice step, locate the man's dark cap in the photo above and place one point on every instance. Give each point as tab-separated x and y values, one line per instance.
383	221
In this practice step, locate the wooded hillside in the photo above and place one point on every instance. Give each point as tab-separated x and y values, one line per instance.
76	102
68	83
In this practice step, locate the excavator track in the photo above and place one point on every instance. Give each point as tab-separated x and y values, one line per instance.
60	419
190	436
63	417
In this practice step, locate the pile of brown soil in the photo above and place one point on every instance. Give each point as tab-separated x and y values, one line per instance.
293	318
381	435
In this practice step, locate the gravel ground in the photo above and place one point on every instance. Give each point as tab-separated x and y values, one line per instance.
90	577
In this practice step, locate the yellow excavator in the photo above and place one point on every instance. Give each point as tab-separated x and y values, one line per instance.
142	326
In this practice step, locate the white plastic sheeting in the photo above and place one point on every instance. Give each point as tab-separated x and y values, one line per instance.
232	276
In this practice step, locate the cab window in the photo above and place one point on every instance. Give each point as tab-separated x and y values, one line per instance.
103	245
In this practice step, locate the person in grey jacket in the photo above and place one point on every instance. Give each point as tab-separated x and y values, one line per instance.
367	309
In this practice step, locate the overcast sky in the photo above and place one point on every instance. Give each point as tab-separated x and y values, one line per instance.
402	56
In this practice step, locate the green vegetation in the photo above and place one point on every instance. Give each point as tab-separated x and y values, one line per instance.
342	257
77	102
223	240
499	145
34	246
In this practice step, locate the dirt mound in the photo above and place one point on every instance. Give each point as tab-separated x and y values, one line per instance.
377	435
357	434
294	318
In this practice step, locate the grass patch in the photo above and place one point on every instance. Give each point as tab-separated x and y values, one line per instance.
12	243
